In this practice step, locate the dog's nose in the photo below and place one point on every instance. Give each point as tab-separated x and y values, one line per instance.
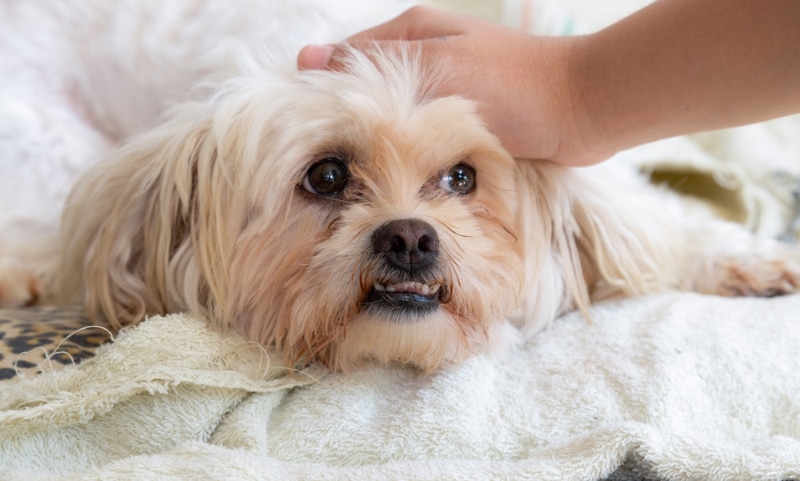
408	244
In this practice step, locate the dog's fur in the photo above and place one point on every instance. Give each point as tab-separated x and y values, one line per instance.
209	210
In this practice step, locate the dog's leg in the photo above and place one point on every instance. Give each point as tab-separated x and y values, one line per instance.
20	286
673	243
725	259
612	235
28	265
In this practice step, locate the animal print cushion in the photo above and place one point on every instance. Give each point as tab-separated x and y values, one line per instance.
38	339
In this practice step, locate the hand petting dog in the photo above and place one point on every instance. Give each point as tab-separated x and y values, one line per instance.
672	68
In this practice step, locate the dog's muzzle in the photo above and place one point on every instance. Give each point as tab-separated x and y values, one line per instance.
409	249
408	245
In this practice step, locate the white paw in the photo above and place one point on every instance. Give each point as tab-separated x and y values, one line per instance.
772	270
20	286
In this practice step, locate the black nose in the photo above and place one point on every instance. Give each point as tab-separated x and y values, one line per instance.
411	245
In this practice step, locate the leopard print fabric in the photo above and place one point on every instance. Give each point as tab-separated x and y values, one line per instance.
37	339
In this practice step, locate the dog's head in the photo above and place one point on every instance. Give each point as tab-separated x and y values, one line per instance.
337	216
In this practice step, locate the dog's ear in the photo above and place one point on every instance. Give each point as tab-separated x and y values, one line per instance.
587	236
139	233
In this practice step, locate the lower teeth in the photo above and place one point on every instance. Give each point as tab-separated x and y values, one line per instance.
416	288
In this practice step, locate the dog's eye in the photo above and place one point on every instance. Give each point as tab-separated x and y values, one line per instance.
327	177
459	180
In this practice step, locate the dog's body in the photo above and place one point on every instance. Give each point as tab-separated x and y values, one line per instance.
345	217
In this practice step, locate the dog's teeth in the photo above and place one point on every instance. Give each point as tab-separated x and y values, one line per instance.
415	287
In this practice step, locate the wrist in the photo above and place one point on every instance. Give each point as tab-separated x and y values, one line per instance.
588	136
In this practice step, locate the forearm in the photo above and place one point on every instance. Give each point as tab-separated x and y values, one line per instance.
672	68
683	66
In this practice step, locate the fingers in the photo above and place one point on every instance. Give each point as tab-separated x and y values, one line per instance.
418	23
315	57
331	57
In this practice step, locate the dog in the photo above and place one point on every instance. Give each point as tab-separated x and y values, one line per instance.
353	216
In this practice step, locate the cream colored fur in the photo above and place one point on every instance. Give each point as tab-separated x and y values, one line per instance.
205	211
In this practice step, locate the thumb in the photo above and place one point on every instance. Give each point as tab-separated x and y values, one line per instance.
419	24
331	57
314	57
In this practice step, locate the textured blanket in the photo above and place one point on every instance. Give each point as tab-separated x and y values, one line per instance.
672	387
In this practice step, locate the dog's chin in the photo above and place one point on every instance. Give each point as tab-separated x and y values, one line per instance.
409	301
409	323
428	343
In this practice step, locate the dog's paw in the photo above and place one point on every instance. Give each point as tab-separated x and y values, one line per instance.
20	286
772	270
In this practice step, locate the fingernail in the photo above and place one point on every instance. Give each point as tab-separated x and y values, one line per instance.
314	57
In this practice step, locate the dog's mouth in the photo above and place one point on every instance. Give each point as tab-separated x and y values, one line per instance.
404	300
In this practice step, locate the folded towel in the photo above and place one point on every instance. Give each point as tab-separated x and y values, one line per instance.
678	386
167	382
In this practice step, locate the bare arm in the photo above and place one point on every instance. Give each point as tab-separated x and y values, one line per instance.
672	68
684	66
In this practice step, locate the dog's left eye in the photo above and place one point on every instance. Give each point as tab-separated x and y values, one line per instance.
460	179
327	177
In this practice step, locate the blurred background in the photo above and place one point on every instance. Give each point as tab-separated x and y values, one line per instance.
546	16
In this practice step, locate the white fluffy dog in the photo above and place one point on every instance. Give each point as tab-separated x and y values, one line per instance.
340	217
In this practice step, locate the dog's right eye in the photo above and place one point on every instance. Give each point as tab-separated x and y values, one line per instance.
327	177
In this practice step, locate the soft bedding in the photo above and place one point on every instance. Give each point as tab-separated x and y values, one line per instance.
670	387
37	339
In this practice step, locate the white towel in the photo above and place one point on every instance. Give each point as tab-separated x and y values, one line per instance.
679	386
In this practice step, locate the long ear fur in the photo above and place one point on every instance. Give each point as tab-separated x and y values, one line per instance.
587	237
140	235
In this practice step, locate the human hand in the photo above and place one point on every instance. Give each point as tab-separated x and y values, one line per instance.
520	82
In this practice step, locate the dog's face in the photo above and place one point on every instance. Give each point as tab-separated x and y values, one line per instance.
388	233
339	216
